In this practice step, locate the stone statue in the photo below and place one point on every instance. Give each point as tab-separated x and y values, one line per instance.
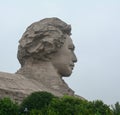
46	54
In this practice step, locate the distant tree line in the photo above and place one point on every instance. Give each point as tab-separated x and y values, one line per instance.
44	103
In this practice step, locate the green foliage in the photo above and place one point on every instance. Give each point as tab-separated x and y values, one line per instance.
116	109
99	108
44	103
36	101
51	111
67	105
74	106
40	112
35	112
8	107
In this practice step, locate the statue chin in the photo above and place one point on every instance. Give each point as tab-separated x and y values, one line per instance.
67	74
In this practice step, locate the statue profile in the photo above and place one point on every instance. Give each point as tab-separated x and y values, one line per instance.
46	54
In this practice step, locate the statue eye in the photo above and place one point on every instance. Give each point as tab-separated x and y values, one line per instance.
70	48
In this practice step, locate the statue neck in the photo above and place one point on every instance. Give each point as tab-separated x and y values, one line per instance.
33	69
45	73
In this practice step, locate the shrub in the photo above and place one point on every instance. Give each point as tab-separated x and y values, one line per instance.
8	107
43	103
68	105
35	112
116	109
37	101
74	106
99	108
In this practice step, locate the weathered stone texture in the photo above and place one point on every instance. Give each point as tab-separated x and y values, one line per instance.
46	54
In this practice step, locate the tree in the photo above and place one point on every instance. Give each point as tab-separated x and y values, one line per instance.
8	107
116	109
37	101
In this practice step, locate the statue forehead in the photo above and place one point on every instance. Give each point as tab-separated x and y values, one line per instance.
69	42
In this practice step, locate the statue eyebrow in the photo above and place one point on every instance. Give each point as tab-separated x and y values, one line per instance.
72	47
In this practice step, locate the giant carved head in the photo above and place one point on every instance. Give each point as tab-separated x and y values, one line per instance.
47	40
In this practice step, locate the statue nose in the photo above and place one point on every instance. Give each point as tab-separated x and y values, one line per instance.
74	58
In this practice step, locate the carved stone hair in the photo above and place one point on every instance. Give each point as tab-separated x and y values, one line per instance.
42	38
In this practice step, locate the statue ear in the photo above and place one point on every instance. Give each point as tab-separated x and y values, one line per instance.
49	46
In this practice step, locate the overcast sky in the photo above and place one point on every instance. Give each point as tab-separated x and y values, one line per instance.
95	33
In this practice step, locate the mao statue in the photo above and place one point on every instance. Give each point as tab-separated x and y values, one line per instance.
46	54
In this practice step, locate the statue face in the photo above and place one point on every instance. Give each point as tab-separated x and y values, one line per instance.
64	59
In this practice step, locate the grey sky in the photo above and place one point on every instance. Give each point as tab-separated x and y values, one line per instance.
95	33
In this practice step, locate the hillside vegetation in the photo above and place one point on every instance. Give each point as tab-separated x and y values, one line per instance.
44	103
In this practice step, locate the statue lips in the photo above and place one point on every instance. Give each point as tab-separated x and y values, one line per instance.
72	66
